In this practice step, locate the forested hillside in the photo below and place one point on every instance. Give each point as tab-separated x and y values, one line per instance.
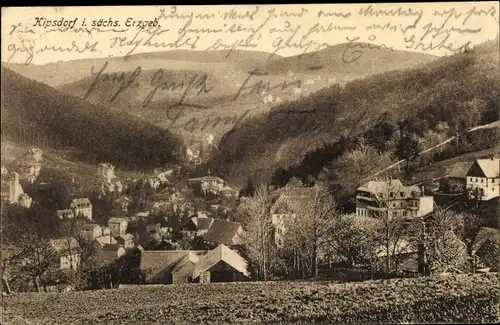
38	115
352	59
180	59
315	135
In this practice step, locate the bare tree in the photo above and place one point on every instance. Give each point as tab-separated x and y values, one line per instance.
256	212
41	258
393	230
353	167
440	237
316	213
352	242
9	265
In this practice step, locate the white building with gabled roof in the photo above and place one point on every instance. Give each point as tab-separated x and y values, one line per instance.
483	176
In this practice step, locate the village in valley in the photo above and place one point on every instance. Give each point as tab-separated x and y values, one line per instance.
277	164
170	227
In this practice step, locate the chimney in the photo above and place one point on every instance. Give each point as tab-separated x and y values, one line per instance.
423	190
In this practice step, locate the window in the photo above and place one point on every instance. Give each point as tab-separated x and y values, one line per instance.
402	194
482	180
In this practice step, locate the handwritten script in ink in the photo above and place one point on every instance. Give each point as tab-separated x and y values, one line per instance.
293	46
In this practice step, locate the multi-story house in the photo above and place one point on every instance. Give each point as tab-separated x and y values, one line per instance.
30	166
117	226
5	172
106	172
67	251
107	178
483	178
208	184
81	207
391	198
12	191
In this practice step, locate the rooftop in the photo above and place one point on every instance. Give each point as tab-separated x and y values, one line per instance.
490	167
221	253
484	234
64	244
90	226
116	220
126	237
157	263
222	232
460	169
81	203
383	189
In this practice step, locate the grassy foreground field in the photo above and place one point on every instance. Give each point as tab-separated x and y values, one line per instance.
451	298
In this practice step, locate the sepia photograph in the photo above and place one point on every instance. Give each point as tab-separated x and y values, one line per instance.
250	164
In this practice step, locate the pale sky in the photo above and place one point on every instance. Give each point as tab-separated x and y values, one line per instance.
434	28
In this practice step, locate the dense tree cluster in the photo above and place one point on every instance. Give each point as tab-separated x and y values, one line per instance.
38	115
300	138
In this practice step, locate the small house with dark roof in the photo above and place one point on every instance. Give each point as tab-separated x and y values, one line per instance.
182	272
483	175
91	231
126	240
81	207
67	251
224	232
117	226
455	180
109	253
197	225
167	267
174	267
